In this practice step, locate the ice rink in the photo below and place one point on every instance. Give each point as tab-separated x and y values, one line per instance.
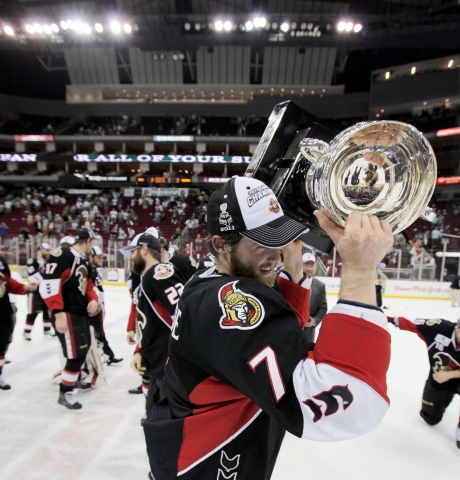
105	441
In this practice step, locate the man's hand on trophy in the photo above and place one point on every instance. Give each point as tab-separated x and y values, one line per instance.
380	135
362	243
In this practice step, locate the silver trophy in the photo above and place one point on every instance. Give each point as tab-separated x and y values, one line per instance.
385	168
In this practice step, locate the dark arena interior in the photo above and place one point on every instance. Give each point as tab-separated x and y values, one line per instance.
121	115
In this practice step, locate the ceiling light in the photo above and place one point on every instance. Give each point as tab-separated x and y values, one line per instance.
127	28
357	28
274	25
413	70
284	27
55	28
181	56
348	26
257	22
341	26
387	75
249	26
449	65
424	103
303	26
293	25
219	26
30	29
175	57
64	25
227	26
310	26
70	24
47	29
38	28
262	22
116	27
8	30
99	28
187	26
197	27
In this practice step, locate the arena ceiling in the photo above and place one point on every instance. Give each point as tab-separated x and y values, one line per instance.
181	41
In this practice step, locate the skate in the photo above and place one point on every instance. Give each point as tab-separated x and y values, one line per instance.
49	333
136	391
66	399
27	336
458	435
82	385
3	385
112	361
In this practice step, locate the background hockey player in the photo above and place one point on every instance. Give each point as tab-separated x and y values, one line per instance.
181	263
70	294
443	383
97	319
155	299
35	303
240	372
8	285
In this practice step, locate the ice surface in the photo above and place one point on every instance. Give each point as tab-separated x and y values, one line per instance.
105	441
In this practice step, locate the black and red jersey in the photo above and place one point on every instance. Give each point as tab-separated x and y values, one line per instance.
240	373
7	285
35	267
155	300
183	264
439	336
67	284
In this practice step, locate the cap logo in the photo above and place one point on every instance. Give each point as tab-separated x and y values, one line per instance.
274	207
225	219
240	309
258	193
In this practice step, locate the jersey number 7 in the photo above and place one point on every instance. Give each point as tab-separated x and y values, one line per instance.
269	356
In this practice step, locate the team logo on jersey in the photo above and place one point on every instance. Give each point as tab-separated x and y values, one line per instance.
82	275
225	219
240	310
163	270
274	206
57	252
444	363
433	321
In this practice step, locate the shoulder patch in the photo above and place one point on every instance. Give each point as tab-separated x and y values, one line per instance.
57	252
433	321
163	270
240	309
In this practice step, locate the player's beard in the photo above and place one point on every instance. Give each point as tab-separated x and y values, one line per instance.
240	269
138	263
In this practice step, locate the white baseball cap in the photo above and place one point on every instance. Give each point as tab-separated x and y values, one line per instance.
69	240
308	257
153	231
249	207
96	251
139	240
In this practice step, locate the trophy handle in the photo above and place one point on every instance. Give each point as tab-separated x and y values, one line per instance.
429	214
312	149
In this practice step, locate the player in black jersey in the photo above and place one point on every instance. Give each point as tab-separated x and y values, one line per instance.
155	299
97	319
240	371
69	293
443	341
35	303
8	285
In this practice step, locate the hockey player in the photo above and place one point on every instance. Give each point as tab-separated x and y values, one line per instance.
182	264
97	319
240	372
8	285
70	294
35	303
443	341
155	299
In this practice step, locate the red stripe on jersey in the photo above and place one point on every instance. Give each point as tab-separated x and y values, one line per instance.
406	324
163	313
132	318
298	298
71	336
356	347
221	413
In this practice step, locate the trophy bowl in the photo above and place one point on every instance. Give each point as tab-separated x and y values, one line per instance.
382	168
